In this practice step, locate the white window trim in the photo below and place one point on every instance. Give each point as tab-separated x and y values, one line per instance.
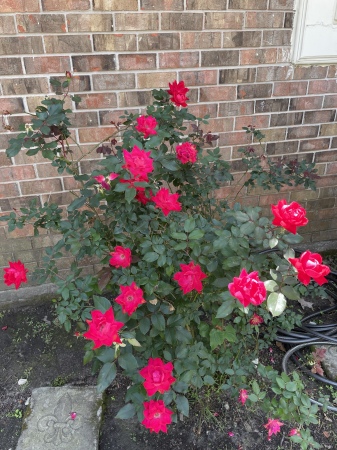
297	39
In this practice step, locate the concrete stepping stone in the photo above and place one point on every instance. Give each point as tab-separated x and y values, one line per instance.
329	362
62	418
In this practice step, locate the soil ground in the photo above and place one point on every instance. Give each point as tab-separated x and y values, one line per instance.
34	347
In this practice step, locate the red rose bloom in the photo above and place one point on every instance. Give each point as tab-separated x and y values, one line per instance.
190	277
166	202
289	216
248	289
156	416
177	92
309	265
146	125
141	197
186	153
243	396
121	257
15	274
103	328
256	319
130	298
273	427
138	162
158	376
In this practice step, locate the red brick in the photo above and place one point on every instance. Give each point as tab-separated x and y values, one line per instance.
47	171
305	73
137	61
95	135
182	21
47	64
10	66
236	108
303	103
199	77
117	81
314	145
332	71
219	58
159	5
283	119
171	60
273	73
233	39
159	41
220	125
302	132
216	94
10	6
40	186
115	5
267	200
327	115
330	101
271	105
83	119
7	25
202	39
89	22
136	21
21	86
154	80
16	173
274	134
13	105
290	88
134	98
258	56
326	156
264	19
65	5
276	37
9	190
245	91
106	117
98	101
115	42
41	23
258	121
204	5
329	129
330	180
93	63
18	45
281	148
282	4
224	20
247	4
322	87
202	110
68	44
235	138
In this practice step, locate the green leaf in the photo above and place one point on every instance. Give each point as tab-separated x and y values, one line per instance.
158	321
106	376
126	412
273	242
106	354
130	194
196	234
128	362
293	238
150	257
271	285
209	380
291	386
226	308
230	334
241	216
290	293
182	405
101	303
180	386
179	236
217	337
276	303
144	325
170	165
76	204
247	228
189	225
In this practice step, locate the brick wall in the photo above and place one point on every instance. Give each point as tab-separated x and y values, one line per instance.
232	54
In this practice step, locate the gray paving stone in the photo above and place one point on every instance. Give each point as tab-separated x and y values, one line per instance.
329	363
49	425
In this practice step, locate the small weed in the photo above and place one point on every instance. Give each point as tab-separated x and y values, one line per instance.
17	414
59	381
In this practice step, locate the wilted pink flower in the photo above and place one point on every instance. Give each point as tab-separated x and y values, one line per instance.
294	432
73	415
243	396
273	426
103	181
256	319
230	433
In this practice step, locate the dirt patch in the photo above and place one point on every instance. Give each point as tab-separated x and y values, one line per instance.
35	348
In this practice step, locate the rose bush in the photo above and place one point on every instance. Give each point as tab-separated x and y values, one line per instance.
188	292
